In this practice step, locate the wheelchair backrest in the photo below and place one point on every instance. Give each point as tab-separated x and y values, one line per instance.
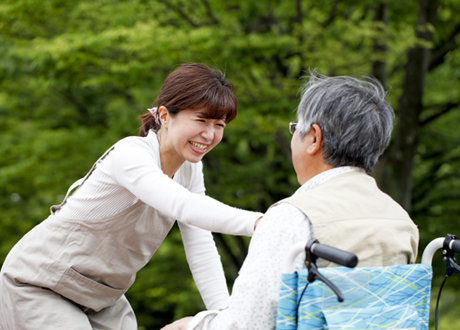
393	297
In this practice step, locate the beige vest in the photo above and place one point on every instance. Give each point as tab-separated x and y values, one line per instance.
351	213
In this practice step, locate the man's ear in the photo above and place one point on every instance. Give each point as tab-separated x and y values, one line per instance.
316	142
164	116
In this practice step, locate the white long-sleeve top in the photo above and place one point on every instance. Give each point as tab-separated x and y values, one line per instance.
254	300
132	172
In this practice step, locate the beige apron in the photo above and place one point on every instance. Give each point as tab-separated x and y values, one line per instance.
72	274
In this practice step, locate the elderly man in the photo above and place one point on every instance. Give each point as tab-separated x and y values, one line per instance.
344	125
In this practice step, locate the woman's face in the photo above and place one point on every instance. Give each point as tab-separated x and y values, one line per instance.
190	135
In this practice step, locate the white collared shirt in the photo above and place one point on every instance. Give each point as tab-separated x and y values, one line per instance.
254	300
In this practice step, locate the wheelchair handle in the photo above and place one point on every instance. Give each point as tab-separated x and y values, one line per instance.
325	250
334	255
437	244
455	246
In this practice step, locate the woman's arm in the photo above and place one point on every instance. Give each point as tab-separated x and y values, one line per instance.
202	256
205	265
135	168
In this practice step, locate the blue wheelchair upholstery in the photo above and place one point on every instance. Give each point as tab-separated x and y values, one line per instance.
393	297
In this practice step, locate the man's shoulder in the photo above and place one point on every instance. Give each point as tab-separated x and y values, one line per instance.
342	186
335	184
353	194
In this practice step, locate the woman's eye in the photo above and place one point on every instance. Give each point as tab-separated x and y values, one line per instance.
221	125
201	120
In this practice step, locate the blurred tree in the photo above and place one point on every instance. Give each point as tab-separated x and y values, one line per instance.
75	74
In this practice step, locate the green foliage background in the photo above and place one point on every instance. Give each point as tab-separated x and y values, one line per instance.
74	75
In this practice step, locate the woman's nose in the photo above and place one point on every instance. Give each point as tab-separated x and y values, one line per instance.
208	133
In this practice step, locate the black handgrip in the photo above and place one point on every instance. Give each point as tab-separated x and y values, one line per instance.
332	254
455	246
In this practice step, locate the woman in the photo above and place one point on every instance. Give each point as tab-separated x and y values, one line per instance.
72	270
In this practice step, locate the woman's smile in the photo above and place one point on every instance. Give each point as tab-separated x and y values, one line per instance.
199	147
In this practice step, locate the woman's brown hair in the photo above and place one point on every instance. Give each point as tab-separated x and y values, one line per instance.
194	87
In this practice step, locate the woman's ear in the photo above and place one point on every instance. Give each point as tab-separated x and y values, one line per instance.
163	115
316	140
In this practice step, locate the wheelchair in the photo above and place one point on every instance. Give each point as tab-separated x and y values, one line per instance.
392	297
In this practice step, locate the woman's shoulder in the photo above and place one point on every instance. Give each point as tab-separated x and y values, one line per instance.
134	150
135	144
132	140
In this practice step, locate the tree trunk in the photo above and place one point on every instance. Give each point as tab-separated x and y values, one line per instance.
410	106
379	71
379	44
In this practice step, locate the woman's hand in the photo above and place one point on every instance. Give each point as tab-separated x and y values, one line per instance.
179	324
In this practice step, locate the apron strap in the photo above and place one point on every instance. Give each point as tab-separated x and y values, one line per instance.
79	182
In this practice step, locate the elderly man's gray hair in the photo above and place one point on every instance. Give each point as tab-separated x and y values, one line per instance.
355	119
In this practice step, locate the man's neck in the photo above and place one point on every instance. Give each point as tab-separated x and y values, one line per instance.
326	175
312	171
